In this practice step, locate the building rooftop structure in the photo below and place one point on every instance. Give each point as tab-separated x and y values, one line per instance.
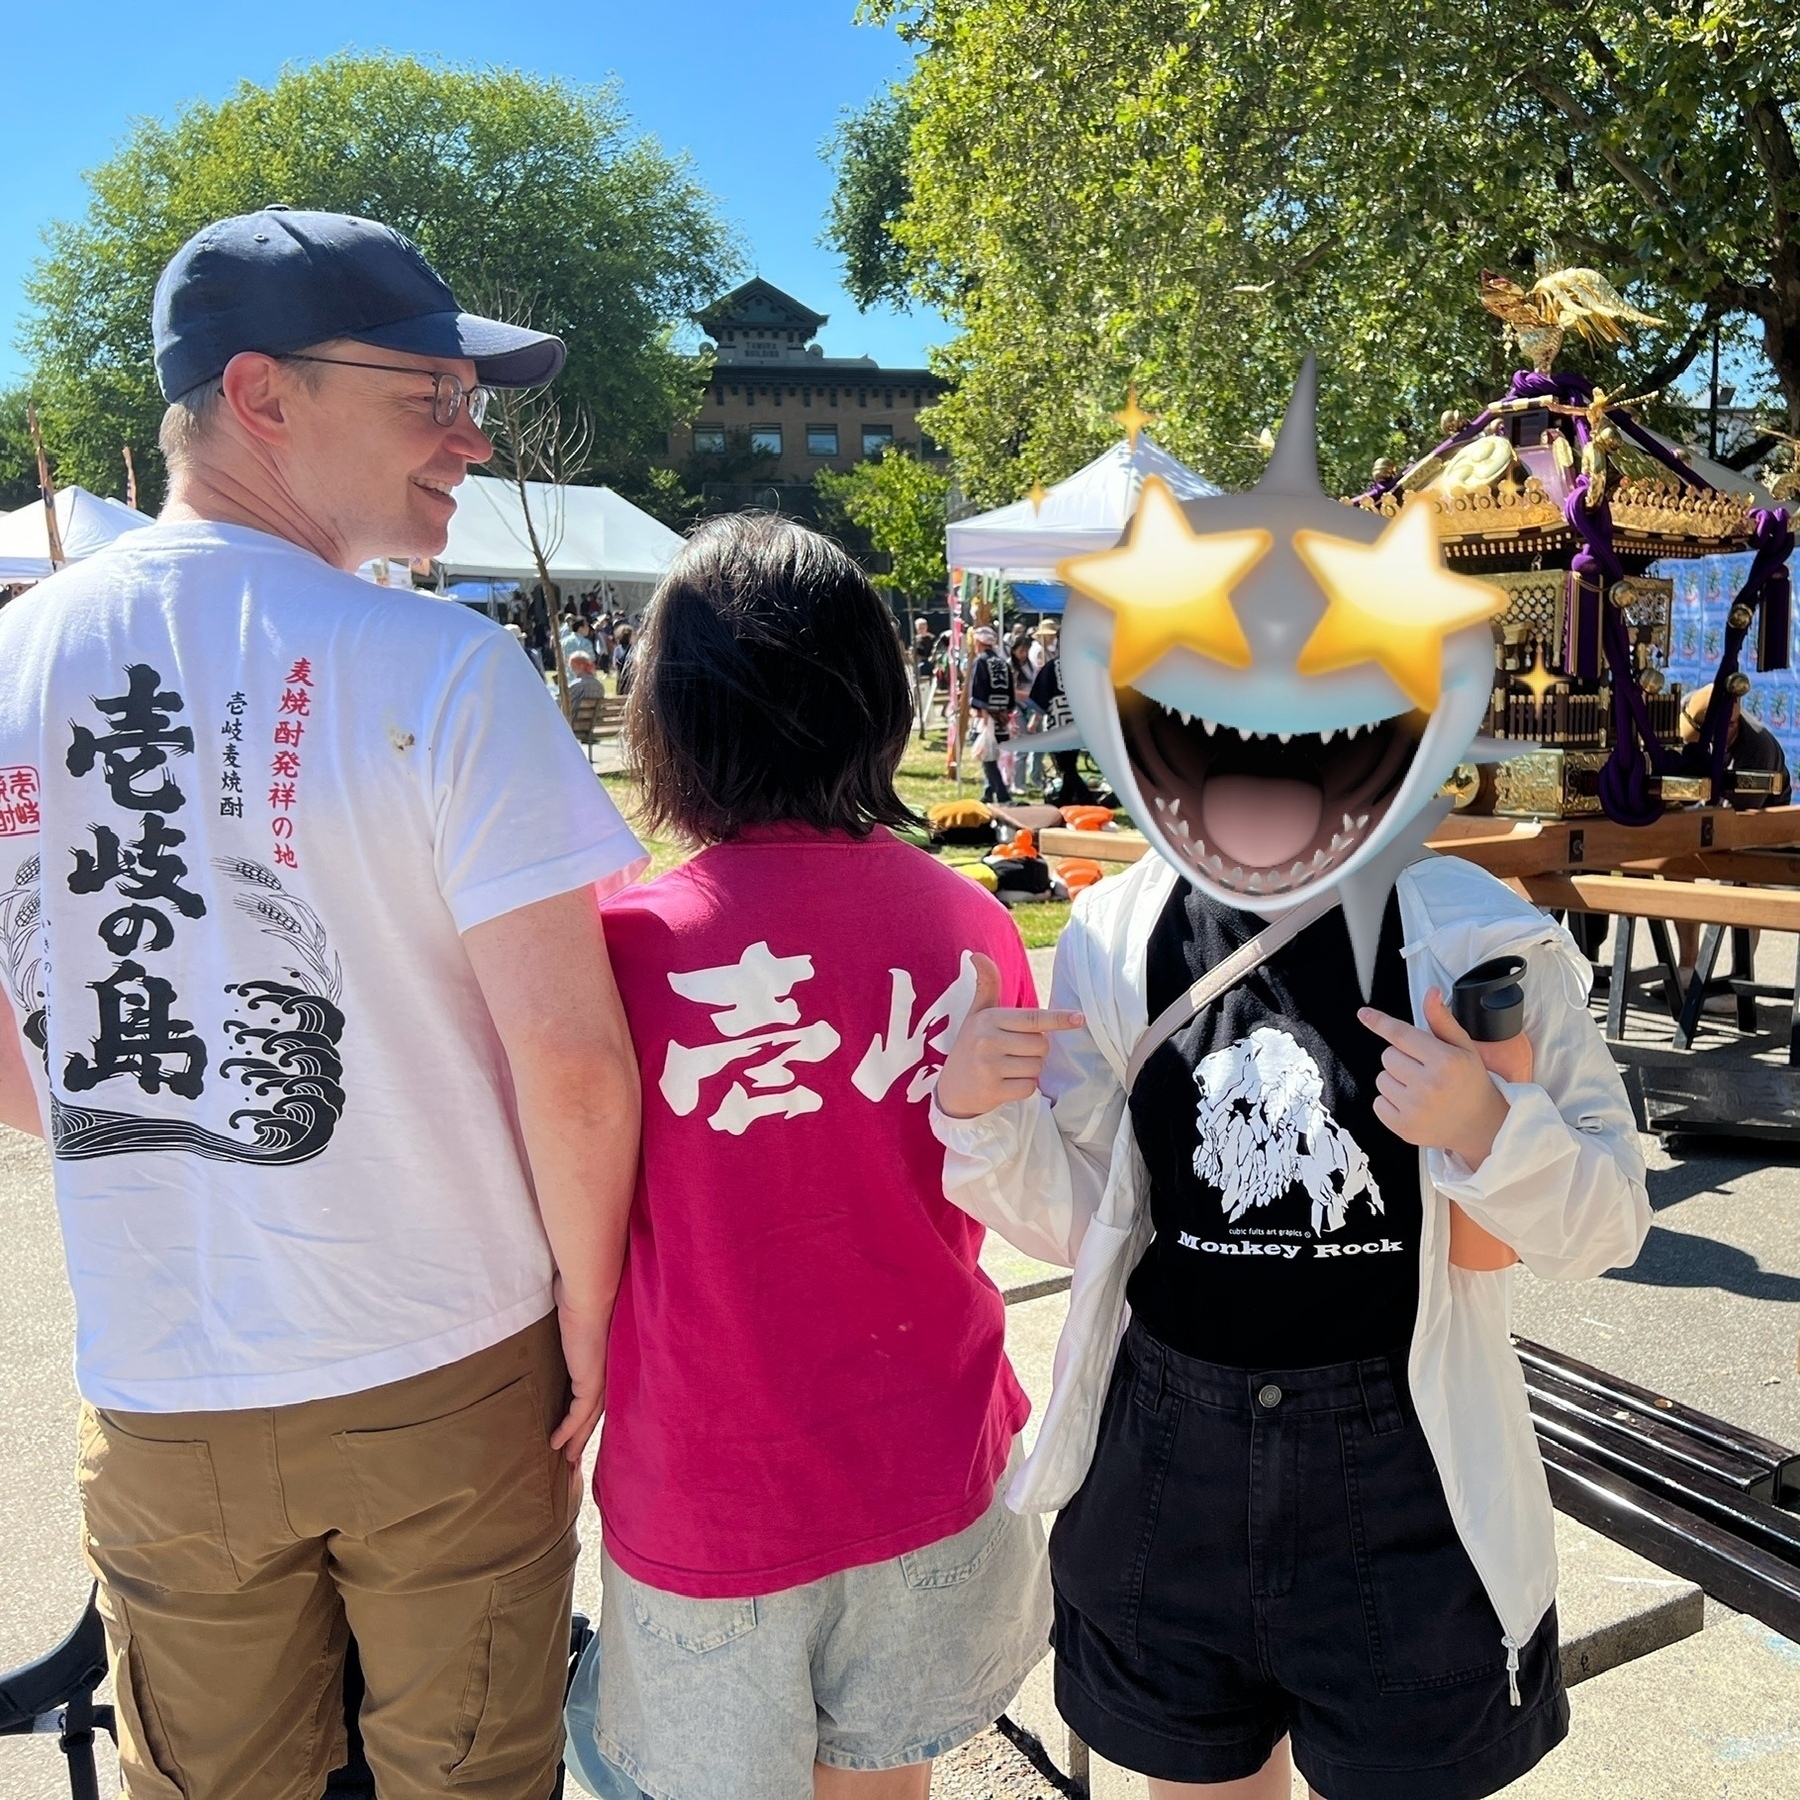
777	409
758	324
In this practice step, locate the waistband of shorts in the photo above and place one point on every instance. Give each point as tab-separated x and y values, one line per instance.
1375	1385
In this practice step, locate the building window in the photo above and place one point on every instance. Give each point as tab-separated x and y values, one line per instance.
821	440
709	440
765	440
876	439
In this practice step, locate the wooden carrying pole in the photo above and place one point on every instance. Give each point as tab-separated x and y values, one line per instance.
46	487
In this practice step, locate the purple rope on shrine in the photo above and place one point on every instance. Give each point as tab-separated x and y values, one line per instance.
1647	442
1625	794
1772	540
1570	389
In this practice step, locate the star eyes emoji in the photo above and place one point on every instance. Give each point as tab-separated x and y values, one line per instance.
1391	602
1169	585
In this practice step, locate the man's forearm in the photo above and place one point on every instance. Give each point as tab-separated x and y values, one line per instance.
580	1122
549	987
18	1098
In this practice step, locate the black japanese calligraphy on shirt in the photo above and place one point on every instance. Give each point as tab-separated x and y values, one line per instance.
289	1030
148	869
143	733
140	1037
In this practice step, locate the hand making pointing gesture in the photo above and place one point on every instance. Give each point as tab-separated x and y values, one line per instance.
1434	1089
999	1053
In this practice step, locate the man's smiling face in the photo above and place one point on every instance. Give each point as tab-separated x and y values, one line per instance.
366	455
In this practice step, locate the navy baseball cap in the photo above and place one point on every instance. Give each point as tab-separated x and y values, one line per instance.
279	280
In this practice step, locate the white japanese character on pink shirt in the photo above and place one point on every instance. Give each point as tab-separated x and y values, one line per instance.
904	1044
748	994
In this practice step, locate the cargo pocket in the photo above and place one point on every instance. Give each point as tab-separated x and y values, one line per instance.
150	1510
145	1758
696	1626
512	1716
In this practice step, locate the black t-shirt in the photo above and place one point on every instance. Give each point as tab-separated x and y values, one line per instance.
1287	1216
1754	747
1047	694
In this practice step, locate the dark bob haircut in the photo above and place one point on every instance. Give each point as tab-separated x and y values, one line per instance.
770	687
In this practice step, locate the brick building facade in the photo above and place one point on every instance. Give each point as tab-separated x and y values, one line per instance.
777	409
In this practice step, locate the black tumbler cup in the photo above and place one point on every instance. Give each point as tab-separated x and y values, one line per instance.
1489	1001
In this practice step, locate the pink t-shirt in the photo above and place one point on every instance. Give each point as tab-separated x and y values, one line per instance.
807	1369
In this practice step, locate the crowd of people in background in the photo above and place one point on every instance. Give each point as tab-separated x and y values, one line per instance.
584	630
1015	695
1014	684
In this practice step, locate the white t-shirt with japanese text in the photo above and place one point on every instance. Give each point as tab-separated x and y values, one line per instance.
248	805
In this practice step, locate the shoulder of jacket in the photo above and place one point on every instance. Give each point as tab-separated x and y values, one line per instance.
1450	889
1104	911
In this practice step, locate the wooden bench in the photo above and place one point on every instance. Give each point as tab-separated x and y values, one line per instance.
1714	906
1099	846
1701	849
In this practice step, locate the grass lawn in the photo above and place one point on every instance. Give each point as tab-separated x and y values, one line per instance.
922	782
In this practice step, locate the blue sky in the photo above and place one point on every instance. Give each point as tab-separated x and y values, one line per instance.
749	90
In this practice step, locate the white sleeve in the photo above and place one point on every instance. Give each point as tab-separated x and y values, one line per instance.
1564	1183
1036	1170
518	812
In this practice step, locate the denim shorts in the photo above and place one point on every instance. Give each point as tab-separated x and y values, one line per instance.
1265	1553
892	1663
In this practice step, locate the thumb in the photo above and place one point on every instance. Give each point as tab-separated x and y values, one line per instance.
987	983
1443	1022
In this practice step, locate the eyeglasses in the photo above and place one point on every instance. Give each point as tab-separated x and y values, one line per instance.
448	395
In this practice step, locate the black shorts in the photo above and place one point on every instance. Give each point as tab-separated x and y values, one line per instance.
1260	1553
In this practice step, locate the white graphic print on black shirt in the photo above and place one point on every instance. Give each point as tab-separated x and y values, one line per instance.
1286	1214
1264	1127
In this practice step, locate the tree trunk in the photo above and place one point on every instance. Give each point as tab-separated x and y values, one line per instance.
551	596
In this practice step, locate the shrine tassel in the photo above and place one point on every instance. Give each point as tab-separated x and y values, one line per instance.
1583	614
1774	622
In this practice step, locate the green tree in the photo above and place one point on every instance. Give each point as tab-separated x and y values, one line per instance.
18	461
869	150
1188	193
898	502
511	184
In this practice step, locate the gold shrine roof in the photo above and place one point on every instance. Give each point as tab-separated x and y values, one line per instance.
1502	495
1662	518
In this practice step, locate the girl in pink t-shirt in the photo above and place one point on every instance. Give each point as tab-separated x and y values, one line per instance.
812	1586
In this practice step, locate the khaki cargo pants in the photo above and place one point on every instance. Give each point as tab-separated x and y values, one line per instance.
236	1551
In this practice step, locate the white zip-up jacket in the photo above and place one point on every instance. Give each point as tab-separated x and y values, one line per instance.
1059	1175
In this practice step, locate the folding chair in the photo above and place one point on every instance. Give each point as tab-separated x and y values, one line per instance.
584	720
56	1693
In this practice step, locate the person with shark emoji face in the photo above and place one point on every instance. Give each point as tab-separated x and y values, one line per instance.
1302	1511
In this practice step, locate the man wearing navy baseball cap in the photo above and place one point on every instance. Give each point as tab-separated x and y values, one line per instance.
328	313
341	1095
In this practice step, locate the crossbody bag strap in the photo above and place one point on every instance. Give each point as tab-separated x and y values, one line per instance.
1222	977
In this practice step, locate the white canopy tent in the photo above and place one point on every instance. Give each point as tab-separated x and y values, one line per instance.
590	535
1023	543
85	522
